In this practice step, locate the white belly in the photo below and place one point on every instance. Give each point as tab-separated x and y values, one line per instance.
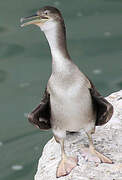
71	107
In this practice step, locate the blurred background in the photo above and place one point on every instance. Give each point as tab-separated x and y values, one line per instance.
94	35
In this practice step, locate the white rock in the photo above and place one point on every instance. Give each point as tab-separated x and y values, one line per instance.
107	139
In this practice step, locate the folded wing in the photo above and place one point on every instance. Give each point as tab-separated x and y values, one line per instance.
40	116
102	107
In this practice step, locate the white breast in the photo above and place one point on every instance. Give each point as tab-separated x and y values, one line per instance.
71	104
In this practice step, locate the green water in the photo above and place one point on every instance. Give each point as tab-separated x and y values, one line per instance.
95	43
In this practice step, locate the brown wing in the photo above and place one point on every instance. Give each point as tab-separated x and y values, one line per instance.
103	108
40	116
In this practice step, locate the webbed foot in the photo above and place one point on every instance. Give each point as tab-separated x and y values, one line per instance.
66	165
95	156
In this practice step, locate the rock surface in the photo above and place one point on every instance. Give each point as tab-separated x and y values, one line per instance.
107	140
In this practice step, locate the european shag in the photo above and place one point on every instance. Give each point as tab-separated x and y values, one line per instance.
70	102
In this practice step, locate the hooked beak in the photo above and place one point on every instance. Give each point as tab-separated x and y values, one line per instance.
34	19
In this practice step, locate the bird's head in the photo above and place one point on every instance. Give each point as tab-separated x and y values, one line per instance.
46	18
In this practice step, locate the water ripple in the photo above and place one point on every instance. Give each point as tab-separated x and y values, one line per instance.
1	144
17	167
3	75
8	50
3	29
117	83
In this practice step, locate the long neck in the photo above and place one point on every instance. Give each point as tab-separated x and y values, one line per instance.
56	37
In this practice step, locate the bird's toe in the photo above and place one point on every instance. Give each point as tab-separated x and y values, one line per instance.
65	166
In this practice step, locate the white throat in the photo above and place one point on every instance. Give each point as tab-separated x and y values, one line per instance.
51	35
55	36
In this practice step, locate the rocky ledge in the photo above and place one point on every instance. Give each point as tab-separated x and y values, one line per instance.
107	140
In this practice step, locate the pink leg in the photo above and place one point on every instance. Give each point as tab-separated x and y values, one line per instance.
92	155
67	163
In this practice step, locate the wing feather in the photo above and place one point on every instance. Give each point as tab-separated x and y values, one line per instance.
40	116
103	108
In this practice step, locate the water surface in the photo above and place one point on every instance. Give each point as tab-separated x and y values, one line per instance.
94	35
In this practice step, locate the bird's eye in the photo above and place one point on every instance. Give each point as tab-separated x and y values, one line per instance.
46	12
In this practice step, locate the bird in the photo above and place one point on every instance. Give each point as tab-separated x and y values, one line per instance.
70	102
